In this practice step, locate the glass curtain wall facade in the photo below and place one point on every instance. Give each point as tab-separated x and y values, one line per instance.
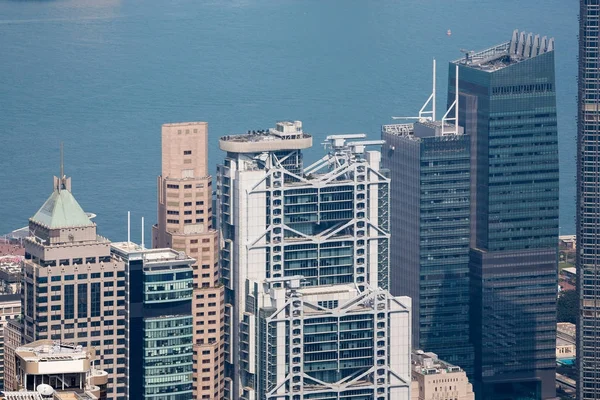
588	203
508	107
429	208
159	323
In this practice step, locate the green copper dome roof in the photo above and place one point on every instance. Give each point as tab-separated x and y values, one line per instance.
61	210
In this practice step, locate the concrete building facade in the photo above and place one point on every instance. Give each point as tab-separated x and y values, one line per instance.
434	379
10	308
13	338
299	245
185	224
51	369
72	288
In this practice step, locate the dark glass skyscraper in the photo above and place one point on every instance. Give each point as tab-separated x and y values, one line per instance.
158	322
588	203
508	107
429	213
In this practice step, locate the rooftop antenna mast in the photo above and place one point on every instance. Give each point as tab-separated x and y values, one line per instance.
61	184
142	232
128	227
424	114
62	161
454	106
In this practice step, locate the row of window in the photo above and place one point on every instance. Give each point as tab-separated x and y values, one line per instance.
198	186
70	277
74	261
187	221
189	212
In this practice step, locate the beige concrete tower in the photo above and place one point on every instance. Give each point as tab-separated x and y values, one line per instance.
185	224
73	289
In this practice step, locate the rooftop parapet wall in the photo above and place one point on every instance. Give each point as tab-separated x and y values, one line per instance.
286	135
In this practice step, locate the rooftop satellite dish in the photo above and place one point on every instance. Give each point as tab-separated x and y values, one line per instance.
45	390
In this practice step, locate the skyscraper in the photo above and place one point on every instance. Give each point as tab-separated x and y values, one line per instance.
508	107
159	323
73	289
185	224
429	208
305	267
588	203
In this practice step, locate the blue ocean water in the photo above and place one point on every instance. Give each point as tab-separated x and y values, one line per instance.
102	76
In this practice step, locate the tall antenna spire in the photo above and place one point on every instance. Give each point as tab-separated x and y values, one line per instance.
60	182
62	161
424	113
453	107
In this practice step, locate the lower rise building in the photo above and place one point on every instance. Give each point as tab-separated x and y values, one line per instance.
326	342
434	379
10	307
58	371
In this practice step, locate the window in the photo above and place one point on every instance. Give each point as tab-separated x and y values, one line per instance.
199	203
90	260
187	186
187	204
172	186
95	304
82	300
82	276
187	152
172	221
69	300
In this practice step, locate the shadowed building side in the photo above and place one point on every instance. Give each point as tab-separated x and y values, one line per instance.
508	107
588	203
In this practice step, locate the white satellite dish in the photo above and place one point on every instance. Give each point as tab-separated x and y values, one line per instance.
44	389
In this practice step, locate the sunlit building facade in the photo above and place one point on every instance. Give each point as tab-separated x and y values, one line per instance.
303	246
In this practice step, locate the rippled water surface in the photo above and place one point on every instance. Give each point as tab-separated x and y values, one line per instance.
102	76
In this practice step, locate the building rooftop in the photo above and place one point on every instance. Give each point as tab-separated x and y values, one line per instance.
566	330
11	264
50	350
398	129
61	210
287	135
176	124
429	364
131	249
522	46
